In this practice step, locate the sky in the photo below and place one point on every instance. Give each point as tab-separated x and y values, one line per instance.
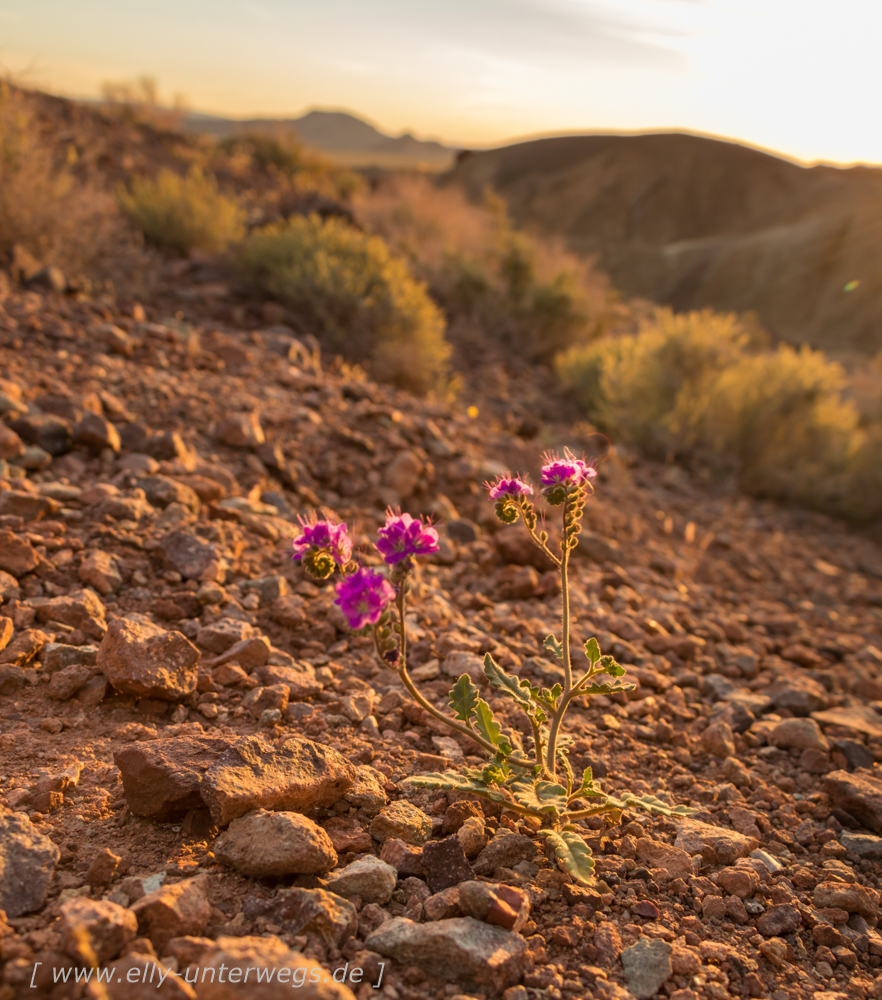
797	76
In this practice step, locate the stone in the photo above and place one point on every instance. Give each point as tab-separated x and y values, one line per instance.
514	545
17	556
445	863
367	791
248	653
647	966
24	647
95	929
462	949
28	506
859	795
852	754
718	740
715	844
404	858
851	898
296	777
858	718
100	571
265	844
173	911
242	430
501	905
9	588
459	662
289	611
442	905
265	955
46	431
27	861
369	877
864	845
347	836
58	655
219	636
779	919
162	491
138	975
300	911
261	699
268	588
403	821
301	684
6	630
143	659
102	868
798	734
801	695
403	474
11	445
673	861
187	554
505	850
473	837
162	778
64	684
96	433
72	609
740	882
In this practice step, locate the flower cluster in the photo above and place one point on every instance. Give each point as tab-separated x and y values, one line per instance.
402	537
562	475
322	547
363	596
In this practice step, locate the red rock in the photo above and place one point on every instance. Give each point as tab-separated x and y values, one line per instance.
100	571
162	778
145	660
6	630
95	928
17	556
173	911
24	647
778	920
503	905
72	609
297	777
858	794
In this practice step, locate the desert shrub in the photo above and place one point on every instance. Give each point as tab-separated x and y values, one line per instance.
362	300
525	293
183	213
704	389
44	207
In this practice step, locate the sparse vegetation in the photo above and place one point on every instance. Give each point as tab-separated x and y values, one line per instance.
361	299
705	389
184	213
44	207
524	293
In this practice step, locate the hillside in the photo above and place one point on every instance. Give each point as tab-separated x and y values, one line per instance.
695	222
346	139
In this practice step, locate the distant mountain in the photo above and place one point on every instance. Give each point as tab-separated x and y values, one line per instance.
697	222
345	138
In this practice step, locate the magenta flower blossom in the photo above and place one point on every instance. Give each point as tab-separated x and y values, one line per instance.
323	535
402	537
363	596
514	488
558	471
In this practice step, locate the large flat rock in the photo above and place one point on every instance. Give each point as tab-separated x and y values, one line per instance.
858	794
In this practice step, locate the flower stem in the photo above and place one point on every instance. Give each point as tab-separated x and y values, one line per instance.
563	703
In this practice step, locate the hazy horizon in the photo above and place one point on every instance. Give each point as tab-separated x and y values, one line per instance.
795	79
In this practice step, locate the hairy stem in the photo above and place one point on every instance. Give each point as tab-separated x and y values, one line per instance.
563	704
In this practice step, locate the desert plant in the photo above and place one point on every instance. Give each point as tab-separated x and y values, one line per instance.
524	292
183	213
539	782
44	206
362	300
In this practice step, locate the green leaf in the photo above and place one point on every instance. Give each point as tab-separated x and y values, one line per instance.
554	646
453	781
541	796
464	698
652	804
507	683
571	854
609	666
489	728
592	651
588	790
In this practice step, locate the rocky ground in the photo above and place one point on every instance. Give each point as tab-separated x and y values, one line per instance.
200	765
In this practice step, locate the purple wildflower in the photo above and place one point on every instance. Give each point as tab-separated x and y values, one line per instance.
332	538
559	471
402	537
514	488
363	597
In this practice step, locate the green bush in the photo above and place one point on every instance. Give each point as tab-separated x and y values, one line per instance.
522	292
184	213
362	300
702	388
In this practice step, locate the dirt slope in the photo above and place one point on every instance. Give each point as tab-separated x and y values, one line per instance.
696	222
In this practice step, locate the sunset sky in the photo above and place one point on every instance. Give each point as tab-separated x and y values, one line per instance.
797	76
